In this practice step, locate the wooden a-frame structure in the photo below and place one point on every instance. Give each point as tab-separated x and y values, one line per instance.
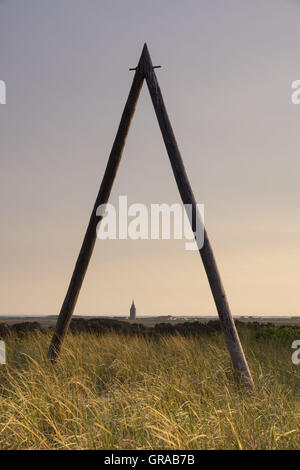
145	70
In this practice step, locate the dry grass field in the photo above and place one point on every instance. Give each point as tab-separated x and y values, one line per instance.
172	392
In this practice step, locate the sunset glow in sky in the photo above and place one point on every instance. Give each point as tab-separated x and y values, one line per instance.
226	75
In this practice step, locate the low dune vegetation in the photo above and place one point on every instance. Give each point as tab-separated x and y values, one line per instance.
122	386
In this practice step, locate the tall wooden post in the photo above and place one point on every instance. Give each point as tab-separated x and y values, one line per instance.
88	244
187	196
145	70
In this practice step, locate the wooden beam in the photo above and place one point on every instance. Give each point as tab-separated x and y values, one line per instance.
87	247
145	70
187	196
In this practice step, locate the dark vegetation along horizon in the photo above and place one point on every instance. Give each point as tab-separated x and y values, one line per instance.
99	326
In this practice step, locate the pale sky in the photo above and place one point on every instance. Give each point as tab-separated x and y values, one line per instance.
227	69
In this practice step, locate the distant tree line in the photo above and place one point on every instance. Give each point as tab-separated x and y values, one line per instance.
267	332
